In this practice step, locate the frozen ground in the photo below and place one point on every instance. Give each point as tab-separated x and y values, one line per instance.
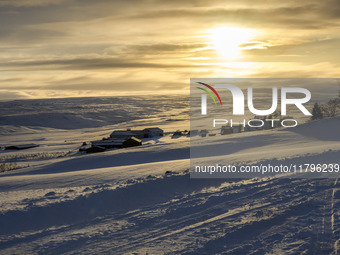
122	202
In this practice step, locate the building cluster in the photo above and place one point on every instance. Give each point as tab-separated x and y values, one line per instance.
122	139
179	133
140	134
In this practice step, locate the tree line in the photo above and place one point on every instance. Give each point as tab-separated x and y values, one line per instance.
329	109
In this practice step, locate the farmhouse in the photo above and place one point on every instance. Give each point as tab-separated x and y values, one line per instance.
226	130
108	144
102	145
133	141
153	132
94	149
204	132
193	132
127	134
140	134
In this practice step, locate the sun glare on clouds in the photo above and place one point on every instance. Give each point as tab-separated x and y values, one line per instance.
227	40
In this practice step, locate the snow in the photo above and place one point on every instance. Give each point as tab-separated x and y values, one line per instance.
142	200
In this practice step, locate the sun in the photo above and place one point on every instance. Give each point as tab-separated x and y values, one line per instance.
227	40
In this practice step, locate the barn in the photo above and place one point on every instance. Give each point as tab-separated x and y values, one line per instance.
126	134
108	144
94	149
153	132
133	141
226	130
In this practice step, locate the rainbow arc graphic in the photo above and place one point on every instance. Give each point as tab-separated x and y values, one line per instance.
209	93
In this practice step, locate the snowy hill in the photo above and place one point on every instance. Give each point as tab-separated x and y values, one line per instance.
124	202
75	113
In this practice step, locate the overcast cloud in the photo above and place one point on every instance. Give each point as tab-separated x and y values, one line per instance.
119	47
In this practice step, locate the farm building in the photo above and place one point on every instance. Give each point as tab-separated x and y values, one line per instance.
225	130
140	134
133	141
153	132
237	129
248	128
94	149
126	134
204	132
108	144
193	132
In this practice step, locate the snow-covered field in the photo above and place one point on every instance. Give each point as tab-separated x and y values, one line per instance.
142	201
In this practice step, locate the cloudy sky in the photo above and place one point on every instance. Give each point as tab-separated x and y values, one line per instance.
57	48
